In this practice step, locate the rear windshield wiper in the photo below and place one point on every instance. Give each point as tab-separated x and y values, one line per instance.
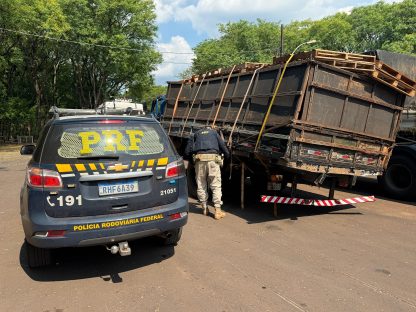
99	157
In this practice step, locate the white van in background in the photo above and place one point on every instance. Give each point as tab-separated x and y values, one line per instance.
123	104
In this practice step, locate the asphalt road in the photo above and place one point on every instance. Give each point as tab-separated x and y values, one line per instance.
359	258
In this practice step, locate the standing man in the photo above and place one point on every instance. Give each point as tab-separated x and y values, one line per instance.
206	147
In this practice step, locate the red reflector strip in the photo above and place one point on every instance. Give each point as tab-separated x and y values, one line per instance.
55	233
175	216
316	202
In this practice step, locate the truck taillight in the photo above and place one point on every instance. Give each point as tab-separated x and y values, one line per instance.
43	178
175	169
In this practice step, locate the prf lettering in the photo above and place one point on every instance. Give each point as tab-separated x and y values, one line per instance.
112	139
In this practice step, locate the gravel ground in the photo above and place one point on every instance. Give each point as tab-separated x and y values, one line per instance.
355	258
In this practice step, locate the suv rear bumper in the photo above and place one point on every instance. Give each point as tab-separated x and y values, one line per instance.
108	229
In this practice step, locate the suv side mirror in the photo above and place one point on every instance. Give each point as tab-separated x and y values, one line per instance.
27	149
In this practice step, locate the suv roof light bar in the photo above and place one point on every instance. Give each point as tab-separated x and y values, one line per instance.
59	112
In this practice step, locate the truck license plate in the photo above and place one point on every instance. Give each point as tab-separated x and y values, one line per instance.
113	188
273	186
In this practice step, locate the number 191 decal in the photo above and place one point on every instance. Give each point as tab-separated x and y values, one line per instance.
65	201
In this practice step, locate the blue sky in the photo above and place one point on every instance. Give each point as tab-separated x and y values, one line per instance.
185	23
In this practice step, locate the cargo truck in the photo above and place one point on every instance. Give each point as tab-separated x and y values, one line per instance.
305	121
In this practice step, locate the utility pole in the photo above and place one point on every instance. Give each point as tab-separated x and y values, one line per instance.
281	40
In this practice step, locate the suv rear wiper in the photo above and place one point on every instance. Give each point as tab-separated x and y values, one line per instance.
99	157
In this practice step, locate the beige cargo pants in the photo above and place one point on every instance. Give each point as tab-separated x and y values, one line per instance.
208	174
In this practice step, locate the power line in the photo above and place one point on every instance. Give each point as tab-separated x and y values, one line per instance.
271	48
179	63
93	44
85	43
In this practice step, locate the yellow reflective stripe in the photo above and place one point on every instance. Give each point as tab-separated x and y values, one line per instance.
132	164
93	167
162	161
141	162
64	167
102	166
150	162
80	167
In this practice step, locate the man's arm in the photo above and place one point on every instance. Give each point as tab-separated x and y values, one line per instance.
223	147
189	146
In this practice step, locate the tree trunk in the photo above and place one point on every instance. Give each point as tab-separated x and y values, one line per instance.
54	83
37	105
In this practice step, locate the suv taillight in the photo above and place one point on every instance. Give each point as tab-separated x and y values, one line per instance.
37	177
175	169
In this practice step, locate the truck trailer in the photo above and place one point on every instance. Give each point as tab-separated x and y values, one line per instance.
322	116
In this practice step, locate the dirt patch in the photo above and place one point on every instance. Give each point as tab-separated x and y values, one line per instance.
9	152
10	148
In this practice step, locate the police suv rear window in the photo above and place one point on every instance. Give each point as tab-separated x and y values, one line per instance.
126	140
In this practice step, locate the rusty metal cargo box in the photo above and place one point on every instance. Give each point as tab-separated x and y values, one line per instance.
324	119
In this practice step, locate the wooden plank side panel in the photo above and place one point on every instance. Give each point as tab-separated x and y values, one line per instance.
326	108
328	97
283	110
258	106
340	102
355	115
173	90
379	121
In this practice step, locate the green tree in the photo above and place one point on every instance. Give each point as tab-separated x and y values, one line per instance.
102	73
406	45
150	94
333	33
402	22
239	42
38	69
296	33
381	25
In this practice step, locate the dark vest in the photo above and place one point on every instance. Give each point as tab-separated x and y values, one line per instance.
206	140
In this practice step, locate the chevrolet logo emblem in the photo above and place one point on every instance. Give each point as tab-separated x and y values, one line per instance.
118	167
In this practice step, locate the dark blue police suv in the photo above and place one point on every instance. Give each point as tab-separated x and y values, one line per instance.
101	180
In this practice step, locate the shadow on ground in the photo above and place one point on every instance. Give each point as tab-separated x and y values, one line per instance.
257	212
369	186
88	262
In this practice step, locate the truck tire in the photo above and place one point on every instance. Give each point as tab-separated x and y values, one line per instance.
399	180
173	238
37	257
191	181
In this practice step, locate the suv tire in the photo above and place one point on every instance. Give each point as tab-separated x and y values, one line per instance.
174	238
37	257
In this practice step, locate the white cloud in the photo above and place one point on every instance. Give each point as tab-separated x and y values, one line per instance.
166	9
346	10
173	64
205	15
